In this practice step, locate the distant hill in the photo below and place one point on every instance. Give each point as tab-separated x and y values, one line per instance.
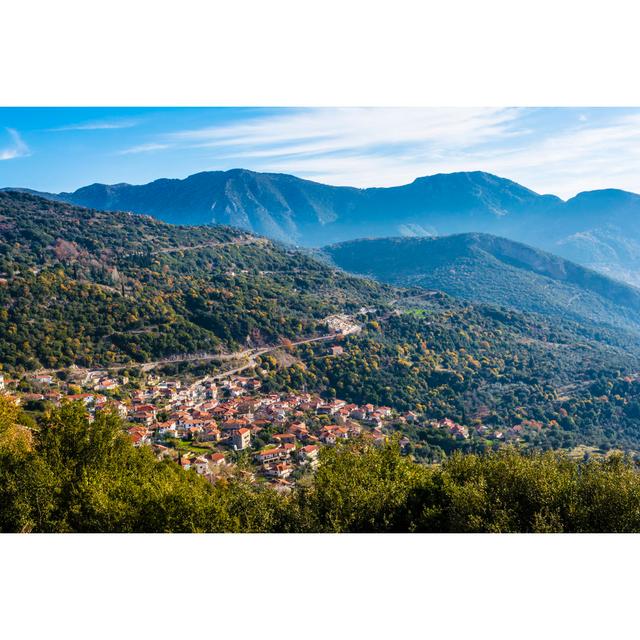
598	229
494	270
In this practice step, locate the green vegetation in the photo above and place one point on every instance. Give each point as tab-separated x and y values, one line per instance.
67	474
487	269
477	364
93	288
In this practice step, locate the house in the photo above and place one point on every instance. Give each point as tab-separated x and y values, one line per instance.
288	448
268	455
216	459
138	434
86	398
106	384
279	470
328	437
147	409
354	429
211	390
43	378
336	350
209	433
143	417
201	465
308	453
282	438
231	426
241	439
298	429
374	420
327	409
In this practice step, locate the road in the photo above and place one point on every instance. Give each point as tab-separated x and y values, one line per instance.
251	359
249	354
204	245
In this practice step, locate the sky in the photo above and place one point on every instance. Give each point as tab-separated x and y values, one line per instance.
551	150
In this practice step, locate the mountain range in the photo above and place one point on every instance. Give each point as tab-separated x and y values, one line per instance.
597	229
484	268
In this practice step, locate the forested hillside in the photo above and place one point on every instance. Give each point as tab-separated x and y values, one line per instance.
485	268
595	228
86	287
554	383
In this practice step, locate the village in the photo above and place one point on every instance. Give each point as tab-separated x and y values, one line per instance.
223	427
218	428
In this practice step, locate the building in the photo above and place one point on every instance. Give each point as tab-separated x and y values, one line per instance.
241	439
43	378
308	453
268	455
216	459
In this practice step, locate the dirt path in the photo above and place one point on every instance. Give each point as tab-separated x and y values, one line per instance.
204	245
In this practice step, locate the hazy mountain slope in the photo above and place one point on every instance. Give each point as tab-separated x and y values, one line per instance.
288	208
495	270
598	229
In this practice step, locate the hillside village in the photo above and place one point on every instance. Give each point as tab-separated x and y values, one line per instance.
218	428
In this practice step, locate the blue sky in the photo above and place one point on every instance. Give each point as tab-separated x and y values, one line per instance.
551	150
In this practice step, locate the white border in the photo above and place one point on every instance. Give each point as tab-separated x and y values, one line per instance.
330	53
329	586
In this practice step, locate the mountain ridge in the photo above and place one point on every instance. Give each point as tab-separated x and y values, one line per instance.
597	228
490	269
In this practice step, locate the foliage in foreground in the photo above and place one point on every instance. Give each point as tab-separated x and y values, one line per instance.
67	474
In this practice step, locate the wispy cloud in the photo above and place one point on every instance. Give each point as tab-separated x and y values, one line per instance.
145	148
357	146
341	130
97	125
393	146
17	149
549	150
577	158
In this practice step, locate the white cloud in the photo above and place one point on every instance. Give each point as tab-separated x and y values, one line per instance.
575	159
97	125
358	148
18	148
144	148
353	146
335	130
365	147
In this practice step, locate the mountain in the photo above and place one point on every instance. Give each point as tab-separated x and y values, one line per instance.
598	229
494	270
295	210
